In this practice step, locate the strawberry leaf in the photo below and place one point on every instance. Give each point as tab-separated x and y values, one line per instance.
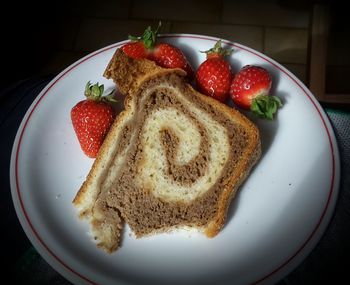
266	106
87	87
101	87
109	98
218	50
95	92
134	38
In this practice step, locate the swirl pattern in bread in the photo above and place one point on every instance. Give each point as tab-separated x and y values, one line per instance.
173	157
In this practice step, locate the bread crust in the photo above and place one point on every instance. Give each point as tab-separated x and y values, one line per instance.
129	75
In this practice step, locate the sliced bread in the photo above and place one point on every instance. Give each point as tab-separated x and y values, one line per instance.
172	158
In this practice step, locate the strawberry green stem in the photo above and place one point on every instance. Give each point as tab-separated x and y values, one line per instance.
95	92
265	106
218	50
148	37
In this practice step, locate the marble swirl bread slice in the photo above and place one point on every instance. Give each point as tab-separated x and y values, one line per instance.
173	157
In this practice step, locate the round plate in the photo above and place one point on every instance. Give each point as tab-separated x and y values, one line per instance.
276	219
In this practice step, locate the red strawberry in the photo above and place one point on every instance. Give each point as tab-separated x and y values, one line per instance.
214	74
92	118
169	56
141	47
135	50
250	90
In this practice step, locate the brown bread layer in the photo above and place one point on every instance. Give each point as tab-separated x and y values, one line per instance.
146	213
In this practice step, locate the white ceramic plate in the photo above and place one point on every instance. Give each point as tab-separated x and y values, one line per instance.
278	216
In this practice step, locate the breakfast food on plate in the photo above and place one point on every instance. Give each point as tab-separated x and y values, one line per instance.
92	118
214	75
172	158
250	90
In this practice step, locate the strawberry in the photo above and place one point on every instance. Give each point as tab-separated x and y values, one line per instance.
214	75
169	56
165	55
250	90
141	47
135	50
92	118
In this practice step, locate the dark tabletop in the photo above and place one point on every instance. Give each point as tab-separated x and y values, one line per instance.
326	263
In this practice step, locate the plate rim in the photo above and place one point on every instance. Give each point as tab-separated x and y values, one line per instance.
67	270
